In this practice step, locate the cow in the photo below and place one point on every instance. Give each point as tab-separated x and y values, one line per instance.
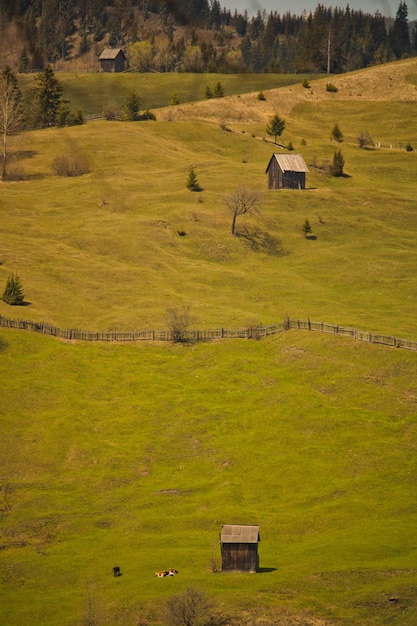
167	572
172	572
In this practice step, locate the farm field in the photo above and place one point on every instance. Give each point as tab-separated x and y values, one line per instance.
134	455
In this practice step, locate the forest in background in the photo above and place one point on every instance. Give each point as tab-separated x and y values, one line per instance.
199	36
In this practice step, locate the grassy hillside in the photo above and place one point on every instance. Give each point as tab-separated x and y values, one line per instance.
93	92
134	455
103	250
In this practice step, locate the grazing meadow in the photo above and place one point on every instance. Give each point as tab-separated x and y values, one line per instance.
134	455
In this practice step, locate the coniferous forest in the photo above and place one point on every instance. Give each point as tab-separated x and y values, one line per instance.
201	36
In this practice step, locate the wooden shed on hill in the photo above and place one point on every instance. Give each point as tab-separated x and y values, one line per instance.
239	548
286	171
112	60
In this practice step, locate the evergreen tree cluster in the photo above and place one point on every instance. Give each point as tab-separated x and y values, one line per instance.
330	40
13	291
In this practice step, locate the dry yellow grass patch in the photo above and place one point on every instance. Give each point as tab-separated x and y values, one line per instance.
390	82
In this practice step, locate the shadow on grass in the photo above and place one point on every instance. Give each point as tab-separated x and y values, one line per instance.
266	570
24	154
3	345
260	240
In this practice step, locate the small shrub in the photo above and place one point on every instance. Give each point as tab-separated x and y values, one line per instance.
208	94
71	164
147	115
181	233
305	84
76	118
174	99
111	112
15	172
365	140
290	147
409	147
332	88
261	96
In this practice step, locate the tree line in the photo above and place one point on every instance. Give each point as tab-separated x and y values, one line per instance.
332	40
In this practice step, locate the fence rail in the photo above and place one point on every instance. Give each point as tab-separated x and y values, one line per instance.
250	332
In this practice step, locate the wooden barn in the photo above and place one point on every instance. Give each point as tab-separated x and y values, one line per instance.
239	548
286	171
112	60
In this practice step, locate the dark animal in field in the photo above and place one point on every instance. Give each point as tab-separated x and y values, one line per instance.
116	571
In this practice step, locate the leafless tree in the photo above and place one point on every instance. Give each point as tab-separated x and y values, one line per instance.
241	201
192	607
178	320
11	115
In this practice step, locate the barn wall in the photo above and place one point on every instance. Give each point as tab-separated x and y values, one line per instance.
107	65
241	557
274	175
294	180
113	65
119	64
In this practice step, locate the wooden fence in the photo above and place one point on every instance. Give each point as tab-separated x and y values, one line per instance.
250	332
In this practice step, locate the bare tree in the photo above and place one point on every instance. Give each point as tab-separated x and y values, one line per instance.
178	320
241	202
11	115
192	607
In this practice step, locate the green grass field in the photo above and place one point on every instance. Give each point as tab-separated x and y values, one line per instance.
134	455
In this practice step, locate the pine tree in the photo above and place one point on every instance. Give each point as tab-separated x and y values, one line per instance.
13	292
47	97
399	34
337	134
307	229
338	163
132	106
218	91
192	182
275	127
208	93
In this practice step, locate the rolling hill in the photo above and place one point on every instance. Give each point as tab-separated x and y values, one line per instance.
134	455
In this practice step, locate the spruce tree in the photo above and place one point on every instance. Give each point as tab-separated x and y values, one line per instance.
307	229
338	163
192	182
276	127
337	134
132	106
218	91
13	292
47	92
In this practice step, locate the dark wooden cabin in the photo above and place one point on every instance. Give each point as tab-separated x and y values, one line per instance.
286	171
239	548
112	60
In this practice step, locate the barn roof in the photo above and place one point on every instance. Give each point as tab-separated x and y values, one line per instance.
237	533
289	162
110	53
